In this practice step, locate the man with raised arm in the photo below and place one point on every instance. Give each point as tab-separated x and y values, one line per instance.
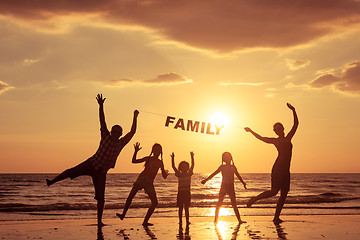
105	158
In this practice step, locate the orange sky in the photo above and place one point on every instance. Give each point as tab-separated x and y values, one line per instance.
189	59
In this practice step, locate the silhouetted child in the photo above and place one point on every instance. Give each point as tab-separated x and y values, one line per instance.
184	173
146	180
227	184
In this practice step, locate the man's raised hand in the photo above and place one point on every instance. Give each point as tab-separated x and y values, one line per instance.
100	99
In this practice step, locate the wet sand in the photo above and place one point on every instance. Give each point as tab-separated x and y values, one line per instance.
257	227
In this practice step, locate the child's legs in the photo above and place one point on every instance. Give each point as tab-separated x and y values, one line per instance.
154	202
187	214
234	205
129	199
218	205
180	213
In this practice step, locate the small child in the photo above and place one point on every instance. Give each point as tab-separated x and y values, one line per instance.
227	185
184	173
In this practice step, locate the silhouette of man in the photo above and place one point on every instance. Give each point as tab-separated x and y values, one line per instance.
105	158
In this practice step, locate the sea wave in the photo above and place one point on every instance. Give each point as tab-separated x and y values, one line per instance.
201	201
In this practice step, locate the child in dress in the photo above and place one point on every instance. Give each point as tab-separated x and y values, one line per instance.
227	185
184	173
146	180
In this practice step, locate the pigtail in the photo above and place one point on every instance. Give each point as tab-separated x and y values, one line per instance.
151	153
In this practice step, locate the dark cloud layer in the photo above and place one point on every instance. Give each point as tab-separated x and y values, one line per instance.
213	24
347	81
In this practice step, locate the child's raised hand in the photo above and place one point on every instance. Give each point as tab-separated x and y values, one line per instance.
137	146
172	156
192	154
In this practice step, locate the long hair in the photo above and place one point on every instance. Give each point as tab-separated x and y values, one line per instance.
155	147
225	156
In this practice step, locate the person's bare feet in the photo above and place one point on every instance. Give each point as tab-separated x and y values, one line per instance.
277	220
48	182
100	224
146	224
250	202
241	221
121	216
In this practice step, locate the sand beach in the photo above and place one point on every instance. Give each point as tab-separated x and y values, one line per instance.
257	227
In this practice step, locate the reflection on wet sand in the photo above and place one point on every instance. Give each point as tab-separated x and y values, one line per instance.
253	234
100	235
123	234
280	231
222	227
149	233
183	235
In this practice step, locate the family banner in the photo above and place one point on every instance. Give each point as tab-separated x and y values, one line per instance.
196	126
193	126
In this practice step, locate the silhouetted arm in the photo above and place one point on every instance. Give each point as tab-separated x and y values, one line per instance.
173	163
296	121
137	148
264	139
240	178
130	134
164	172
101	101
192	162
211	176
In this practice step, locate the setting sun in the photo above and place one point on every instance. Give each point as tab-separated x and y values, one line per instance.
219	119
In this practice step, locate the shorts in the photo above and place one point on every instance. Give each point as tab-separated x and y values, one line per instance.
143	182
99	178
227	189
183	198
280	180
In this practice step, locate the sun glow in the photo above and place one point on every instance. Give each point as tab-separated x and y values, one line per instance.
219	119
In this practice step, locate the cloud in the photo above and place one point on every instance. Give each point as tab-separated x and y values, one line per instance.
212	25
85	54
240	84
4	87
347	81
296	64
162	79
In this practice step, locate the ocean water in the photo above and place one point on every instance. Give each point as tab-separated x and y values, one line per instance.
27	197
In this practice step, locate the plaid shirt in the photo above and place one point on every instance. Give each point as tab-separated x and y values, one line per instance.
108	152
